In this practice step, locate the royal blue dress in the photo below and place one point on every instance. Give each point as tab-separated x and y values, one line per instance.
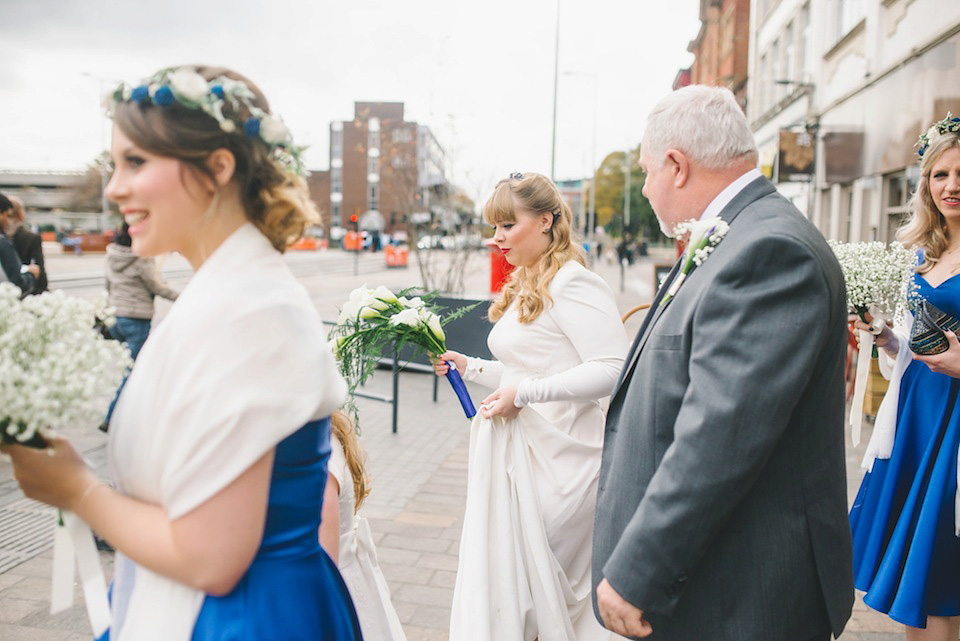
905	553
292	590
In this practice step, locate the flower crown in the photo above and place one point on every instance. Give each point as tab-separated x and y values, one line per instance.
189	89
945	126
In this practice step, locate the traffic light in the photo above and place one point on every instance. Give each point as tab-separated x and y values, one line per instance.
353	218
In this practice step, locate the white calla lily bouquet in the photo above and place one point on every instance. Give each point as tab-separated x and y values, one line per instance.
56	370
374	322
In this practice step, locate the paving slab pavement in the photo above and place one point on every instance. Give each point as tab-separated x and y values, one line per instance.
418	486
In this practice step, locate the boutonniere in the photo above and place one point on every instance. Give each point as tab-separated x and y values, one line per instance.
703	237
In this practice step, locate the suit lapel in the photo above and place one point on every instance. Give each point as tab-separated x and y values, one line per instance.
648	321
754	191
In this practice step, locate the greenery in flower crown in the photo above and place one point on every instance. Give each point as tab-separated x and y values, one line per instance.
945	126
878	277
56	370
189	89
377	322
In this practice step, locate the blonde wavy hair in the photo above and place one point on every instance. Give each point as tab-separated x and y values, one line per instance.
532	195
926	228
342	428
275	200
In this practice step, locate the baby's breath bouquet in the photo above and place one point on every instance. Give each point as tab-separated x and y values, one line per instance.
377	321
879	281
55	368
878	276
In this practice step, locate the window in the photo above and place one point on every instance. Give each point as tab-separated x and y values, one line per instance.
802	44
788	69
336	143
849	14
373	140
336	179
335	214
402	135
373	195
372	165
898	188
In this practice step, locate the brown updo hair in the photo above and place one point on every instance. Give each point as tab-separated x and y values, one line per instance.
275	200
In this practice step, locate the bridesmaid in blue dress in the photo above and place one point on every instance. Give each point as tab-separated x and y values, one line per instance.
904	519
220	437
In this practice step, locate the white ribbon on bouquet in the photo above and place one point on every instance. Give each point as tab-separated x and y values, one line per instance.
860	384
74	549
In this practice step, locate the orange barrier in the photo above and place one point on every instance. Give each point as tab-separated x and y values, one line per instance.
305	243
353	241
396	256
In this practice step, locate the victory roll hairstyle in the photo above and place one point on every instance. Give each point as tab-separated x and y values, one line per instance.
532	195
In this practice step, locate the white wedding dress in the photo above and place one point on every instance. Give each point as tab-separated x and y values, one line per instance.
524	568
358	559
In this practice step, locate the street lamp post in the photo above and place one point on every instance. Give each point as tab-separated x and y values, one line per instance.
591	215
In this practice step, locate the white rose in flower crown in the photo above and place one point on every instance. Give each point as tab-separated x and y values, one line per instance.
228	126
932	133
407	317
273	131
189	84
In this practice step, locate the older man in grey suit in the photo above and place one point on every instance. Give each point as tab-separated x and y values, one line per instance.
722	511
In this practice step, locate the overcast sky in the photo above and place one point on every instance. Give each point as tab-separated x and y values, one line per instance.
479	73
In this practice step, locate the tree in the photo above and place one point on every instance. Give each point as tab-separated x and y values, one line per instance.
611	181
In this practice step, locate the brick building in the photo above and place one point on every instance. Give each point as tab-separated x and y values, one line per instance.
721	47
380	162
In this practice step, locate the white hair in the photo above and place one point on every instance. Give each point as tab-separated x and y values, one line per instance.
705	123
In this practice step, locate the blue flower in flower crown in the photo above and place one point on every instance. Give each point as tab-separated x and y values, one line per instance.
251	127
163	97
947	125
139	94
185	87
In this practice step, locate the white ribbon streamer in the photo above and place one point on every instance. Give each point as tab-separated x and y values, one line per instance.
73	544
860	385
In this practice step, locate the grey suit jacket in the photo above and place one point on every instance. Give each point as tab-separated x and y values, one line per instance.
722	508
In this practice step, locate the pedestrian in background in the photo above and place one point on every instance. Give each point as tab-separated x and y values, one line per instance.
29	245
132	284
23	276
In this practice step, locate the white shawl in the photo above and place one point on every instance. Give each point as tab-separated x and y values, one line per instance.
239	363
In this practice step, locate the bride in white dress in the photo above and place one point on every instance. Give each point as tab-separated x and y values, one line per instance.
535	445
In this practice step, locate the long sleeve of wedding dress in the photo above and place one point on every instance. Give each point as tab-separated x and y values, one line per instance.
589	319
483	371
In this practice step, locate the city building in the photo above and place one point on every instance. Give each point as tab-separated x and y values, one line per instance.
385	172
63	199
720	48
839	91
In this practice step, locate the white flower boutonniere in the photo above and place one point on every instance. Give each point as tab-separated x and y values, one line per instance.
703	237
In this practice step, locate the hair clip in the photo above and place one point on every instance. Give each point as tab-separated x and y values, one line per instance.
516	176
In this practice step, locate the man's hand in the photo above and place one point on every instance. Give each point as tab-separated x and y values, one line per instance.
619	615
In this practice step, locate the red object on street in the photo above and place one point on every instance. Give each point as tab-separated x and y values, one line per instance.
499	268
396	256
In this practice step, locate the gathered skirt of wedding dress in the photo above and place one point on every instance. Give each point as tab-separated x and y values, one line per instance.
524	568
